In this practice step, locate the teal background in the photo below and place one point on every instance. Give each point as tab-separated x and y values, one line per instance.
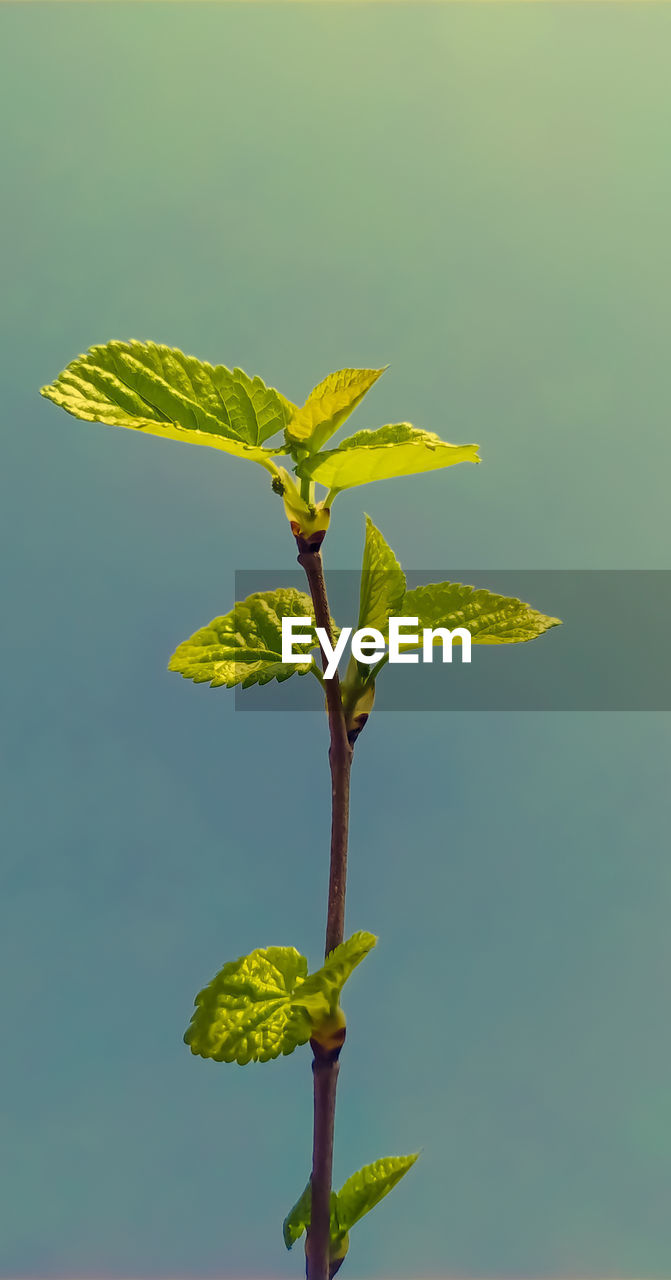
478	195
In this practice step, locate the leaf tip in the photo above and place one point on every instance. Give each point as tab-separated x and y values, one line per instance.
364	938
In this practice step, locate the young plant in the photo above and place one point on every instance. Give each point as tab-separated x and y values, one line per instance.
267	1003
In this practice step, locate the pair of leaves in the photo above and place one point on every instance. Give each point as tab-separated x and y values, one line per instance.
265	1004
160	391
358	1195
150	387
245	646
395	450
490	618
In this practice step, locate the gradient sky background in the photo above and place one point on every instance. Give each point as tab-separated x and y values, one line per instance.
478	195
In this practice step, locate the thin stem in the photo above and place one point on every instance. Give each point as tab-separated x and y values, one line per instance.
374	673
307	489
325	1078
325	1061
314	670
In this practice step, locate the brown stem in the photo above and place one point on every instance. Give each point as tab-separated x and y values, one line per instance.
325	1079
325	1061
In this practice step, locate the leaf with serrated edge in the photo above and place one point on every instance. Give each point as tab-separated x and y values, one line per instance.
329	404
319	994
264	1004
396	450
361	1193
160	391
245	646
382	582
371	1184
246	1013
490	618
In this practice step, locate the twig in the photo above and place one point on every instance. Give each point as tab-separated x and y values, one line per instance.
325	1062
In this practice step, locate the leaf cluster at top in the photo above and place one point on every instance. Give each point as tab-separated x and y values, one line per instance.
160	391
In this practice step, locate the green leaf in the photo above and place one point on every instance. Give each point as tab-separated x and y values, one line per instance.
361	1193
328	405
245	646
382	582
369	1186
490	618
298	1219
397	450
320	993
162	392
264	1004
246	1014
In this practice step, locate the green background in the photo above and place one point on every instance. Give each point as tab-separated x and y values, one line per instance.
478	195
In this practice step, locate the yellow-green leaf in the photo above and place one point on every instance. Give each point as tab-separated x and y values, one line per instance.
365	1189
319	994
396	450
382	581
328	405
298	1220
160	391
490	618
264	1004
245	646
358	1195
246	1014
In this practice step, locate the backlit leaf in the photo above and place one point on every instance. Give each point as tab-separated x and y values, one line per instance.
319	994
382	582
490	618
369	1186
361	1193
264	1004
246	1013
245	646
160	391
328	405
396	450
